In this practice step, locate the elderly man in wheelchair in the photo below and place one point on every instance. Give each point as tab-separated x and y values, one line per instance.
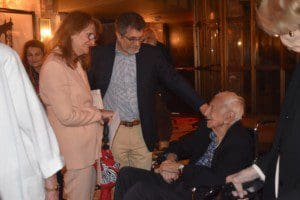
219	147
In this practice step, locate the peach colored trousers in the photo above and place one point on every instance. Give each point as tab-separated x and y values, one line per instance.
79	184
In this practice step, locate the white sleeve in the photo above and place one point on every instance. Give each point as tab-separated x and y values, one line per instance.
32	119
260	172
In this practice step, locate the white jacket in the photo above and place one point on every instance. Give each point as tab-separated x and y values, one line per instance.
29	151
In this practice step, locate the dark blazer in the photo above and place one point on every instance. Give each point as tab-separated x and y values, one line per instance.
152	68
234	153
286	144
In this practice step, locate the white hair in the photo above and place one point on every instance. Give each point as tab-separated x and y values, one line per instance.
234	103
278	17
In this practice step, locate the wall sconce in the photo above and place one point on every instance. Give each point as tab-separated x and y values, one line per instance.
240	43
45	29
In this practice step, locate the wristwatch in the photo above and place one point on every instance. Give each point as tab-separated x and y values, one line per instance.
180	167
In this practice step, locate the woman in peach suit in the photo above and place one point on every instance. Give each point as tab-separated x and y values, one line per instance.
65	91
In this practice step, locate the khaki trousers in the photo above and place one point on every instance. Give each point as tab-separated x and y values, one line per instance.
129	148
80	184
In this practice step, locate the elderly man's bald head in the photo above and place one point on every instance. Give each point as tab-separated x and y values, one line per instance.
224	109
233	103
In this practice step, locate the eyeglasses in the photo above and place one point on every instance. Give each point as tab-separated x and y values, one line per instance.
134	39
291	34
92	36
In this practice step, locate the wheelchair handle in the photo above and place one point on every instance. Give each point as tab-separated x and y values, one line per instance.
262	122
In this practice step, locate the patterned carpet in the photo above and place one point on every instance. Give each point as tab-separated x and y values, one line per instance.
183	125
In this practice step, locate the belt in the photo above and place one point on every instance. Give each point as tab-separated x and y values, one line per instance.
130	124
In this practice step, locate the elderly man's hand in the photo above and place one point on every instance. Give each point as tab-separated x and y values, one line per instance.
169	177
246	175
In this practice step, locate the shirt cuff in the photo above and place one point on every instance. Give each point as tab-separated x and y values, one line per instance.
50	166
260	173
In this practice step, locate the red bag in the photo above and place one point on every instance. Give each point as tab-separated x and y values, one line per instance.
109	168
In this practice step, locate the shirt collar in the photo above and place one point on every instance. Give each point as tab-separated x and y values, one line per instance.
213	136
120	53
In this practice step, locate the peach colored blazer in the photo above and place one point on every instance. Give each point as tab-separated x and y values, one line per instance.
66	95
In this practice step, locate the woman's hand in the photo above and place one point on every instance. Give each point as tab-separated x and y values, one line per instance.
51	188
106	116
52	195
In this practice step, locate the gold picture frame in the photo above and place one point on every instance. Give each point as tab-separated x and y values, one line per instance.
16	27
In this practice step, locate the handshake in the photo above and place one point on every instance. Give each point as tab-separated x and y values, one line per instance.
170	169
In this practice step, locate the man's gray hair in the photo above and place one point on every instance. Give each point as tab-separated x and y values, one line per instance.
278	17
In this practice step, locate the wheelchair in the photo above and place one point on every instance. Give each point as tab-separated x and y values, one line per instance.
223	192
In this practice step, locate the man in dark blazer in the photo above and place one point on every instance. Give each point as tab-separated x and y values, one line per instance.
280	167
127	73
233	150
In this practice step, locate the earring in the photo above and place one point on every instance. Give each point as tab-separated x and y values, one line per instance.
291	33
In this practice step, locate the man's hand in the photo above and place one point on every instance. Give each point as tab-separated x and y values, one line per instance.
172	157
246	175
169	166
169	170
203	108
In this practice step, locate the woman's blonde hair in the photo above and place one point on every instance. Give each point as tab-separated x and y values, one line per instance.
278	17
